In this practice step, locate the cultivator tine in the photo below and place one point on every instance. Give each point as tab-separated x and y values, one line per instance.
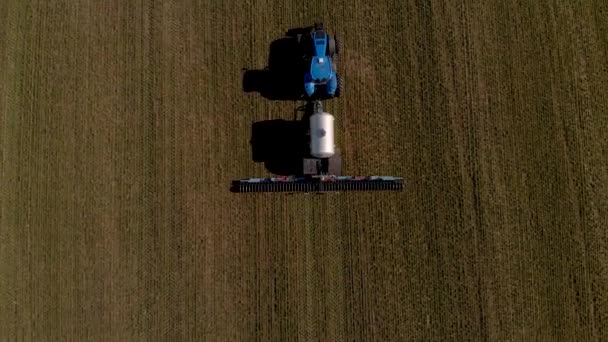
316	185
364	186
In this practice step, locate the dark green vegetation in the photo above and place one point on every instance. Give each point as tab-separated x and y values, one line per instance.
122	124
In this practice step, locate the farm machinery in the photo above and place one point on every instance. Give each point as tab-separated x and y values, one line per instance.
321	168
320	52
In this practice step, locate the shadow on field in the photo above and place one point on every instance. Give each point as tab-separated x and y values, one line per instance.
283	77
280	144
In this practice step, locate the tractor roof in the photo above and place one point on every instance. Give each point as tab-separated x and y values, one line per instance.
320	68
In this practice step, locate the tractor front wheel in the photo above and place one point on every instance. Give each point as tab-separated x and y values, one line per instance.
337	44
331	46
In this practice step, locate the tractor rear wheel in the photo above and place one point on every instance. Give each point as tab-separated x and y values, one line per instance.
337	44
331	46
340	86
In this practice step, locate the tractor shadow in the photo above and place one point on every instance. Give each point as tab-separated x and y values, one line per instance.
281	144
283	77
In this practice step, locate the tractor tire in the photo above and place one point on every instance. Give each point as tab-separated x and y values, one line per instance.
337	44
331	46
340	86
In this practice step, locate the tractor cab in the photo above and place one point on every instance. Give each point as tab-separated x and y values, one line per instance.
320	69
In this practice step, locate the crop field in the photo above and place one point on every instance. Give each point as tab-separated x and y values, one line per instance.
123	123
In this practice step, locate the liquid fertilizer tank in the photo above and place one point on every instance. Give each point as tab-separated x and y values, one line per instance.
322	135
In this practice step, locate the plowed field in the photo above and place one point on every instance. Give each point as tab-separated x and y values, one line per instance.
122	124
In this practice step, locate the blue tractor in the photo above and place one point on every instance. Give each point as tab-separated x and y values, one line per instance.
320	52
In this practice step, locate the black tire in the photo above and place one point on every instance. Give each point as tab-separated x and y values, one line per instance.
340	86
331	46
337	44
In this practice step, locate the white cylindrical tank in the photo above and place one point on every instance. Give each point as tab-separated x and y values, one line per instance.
322	135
